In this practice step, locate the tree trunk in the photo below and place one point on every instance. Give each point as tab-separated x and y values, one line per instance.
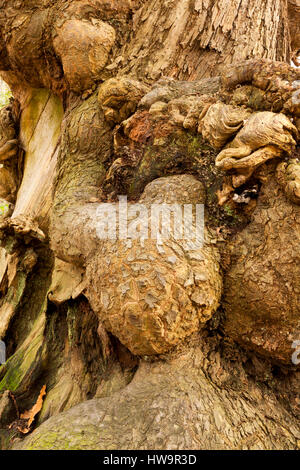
190	402
294	14
182	348
190	40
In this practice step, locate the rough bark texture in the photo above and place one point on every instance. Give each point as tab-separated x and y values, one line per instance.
261	288
152	297
189	40
294	18
186	40
180	403
145	336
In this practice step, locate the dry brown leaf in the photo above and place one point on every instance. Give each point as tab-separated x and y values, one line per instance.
30	414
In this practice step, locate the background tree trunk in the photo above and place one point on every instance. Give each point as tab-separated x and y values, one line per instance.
190	40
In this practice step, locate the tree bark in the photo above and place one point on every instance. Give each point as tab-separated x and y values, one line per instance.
98	113
192	40
294	18
191	402
186	40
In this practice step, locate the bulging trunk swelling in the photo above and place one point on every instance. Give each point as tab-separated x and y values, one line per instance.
120	137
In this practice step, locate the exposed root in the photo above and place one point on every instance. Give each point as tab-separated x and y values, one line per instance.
265	136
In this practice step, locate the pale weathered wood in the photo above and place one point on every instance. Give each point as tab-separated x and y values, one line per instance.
39	135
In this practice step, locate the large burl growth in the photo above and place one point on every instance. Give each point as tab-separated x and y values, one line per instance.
177	347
